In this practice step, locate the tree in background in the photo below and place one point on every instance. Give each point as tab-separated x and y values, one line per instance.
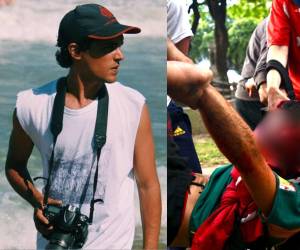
224	30
196	15
239	36
217	10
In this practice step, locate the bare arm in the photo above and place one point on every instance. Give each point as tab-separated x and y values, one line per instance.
19	151
183	83
147	182
174	54
20	148
184	45
231	134
279	53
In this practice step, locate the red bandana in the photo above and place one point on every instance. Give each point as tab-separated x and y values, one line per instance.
236	202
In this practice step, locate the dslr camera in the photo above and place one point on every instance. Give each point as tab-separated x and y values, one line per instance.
70	227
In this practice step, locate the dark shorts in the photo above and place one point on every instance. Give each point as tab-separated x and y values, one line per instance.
179	178
182	131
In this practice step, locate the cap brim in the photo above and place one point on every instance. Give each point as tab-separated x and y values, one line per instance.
114	31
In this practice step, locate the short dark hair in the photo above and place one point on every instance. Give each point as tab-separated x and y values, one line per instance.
63	56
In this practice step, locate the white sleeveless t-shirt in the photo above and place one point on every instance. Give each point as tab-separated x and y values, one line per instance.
75	159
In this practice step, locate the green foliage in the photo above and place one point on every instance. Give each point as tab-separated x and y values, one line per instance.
208	153
253	9
204	37
239	34
242	18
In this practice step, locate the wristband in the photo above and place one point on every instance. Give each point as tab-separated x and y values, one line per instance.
285	79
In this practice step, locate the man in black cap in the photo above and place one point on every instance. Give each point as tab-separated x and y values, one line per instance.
94	136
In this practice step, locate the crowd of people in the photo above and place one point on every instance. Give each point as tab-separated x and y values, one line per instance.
251	203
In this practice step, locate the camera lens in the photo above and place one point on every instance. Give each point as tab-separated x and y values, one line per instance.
60	240
54	247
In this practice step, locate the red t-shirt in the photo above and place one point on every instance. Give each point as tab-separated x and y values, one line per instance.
284	29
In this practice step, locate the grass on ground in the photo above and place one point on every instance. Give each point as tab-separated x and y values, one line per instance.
208	153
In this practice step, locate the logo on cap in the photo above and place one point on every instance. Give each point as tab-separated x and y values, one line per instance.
105	12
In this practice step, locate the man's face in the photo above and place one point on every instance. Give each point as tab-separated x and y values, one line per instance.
102	59
279	139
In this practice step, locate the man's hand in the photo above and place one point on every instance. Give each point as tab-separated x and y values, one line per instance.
263	94
250	86
186	82
275	96
271	96
41	222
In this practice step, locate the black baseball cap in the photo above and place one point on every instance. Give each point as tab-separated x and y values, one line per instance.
90	21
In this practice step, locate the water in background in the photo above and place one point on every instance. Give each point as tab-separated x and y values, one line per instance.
27	48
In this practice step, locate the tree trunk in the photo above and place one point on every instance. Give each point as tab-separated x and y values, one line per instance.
217	9
194	6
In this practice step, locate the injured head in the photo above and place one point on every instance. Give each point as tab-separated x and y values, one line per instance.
278	137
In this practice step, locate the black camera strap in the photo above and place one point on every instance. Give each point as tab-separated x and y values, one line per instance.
285	79
56	126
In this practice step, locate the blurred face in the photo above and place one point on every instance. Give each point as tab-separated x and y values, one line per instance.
278	136
102	59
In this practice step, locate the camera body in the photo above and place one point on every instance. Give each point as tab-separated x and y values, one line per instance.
70	227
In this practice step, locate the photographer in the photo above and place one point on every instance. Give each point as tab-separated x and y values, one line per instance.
96	180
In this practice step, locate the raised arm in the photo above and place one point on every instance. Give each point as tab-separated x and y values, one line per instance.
230	132
174	54
147	182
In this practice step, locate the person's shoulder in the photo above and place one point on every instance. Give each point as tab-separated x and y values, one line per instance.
282	4
176	9
127	92
261	27
46	89
32	105
286	218
175	4
31	100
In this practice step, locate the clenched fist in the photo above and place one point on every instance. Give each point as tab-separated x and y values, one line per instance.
186	82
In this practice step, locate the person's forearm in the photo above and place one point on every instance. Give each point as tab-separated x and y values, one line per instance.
230	132
22	184
279	53
184	45
236	141
174	54
150	204
221	121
